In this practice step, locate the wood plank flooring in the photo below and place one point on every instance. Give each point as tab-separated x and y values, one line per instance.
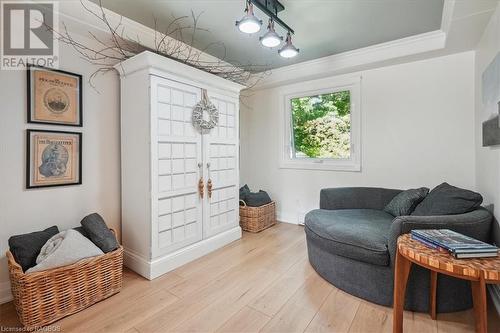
261	283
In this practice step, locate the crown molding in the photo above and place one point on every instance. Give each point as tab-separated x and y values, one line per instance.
447	16
81	22
343	62
156	64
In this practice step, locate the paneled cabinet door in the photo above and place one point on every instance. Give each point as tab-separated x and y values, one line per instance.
176	149
221	149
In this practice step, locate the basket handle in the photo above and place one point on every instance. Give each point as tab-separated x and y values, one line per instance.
244	203
13	261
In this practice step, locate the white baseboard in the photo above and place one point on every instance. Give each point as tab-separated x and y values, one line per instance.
5	293
286	218
151	269
136	263
297	219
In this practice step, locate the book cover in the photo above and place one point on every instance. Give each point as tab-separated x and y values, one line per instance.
427	243
453	241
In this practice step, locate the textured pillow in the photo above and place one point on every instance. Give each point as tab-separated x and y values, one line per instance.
257	199
445	199
405	202
244	190
99	233
25	248
82	231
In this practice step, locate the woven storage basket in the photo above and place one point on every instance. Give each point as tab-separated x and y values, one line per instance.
43	297
255	219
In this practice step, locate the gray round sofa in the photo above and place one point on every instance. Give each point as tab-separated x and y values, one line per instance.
351	242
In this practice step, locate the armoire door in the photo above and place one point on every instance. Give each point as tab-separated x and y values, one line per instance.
177	163
221	162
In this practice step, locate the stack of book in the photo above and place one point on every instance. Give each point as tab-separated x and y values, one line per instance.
460	246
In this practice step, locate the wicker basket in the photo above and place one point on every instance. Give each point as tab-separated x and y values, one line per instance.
43	297
255	219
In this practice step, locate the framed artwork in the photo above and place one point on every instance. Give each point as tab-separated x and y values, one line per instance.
491	103
54	97
53	158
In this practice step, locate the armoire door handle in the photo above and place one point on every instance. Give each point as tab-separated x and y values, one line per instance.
201	182
209	182
201	187
209	188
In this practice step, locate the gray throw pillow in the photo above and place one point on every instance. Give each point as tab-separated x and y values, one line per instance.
25	248
405	202
257	199
98	232
244	190
446	199
81	231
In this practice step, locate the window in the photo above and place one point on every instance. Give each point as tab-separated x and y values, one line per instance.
322	126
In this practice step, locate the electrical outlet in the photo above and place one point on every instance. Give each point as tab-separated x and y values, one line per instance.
301	217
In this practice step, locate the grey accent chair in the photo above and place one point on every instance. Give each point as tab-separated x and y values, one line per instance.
351	242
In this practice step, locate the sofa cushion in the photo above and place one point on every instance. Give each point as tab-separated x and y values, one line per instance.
359	234
445	199
405	202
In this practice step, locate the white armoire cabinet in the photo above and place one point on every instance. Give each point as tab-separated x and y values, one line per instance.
168	215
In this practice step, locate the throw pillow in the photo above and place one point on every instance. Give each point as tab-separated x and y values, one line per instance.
244	190
81	230
257	199
99	233
405	202
25	248
446	199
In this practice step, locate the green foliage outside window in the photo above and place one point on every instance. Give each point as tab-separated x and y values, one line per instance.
322	125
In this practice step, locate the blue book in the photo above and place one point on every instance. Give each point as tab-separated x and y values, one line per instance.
425	242
453	241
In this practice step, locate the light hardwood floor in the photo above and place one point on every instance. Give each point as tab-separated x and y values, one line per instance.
261	283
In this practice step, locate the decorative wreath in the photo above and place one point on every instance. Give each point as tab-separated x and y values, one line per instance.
205	106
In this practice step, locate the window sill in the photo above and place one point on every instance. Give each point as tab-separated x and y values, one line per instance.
326	166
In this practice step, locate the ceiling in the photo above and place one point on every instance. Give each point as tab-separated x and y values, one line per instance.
322	27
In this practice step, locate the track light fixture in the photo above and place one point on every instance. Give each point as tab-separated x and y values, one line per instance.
271	38
251	24
288	50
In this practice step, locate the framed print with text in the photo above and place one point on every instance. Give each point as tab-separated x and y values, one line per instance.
53	158
54	97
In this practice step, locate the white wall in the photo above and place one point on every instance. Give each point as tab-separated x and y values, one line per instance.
487	158
416	131
24	210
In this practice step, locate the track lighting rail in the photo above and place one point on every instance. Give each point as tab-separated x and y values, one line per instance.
271	8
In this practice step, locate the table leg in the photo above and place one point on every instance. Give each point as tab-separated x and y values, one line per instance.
480	311
432	295
401	272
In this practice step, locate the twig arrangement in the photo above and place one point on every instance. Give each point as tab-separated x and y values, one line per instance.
171	43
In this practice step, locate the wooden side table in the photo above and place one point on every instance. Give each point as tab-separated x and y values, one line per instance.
478	271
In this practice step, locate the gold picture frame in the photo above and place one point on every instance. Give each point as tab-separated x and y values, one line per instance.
54	97
53	158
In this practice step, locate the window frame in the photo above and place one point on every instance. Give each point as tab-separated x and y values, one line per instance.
319	87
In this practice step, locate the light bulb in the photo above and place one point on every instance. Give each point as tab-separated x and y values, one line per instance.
249	24
271	38
288	50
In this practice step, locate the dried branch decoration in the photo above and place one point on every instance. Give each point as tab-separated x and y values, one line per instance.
171	44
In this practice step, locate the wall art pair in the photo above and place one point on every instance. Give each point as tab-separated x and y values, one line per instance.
53	158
